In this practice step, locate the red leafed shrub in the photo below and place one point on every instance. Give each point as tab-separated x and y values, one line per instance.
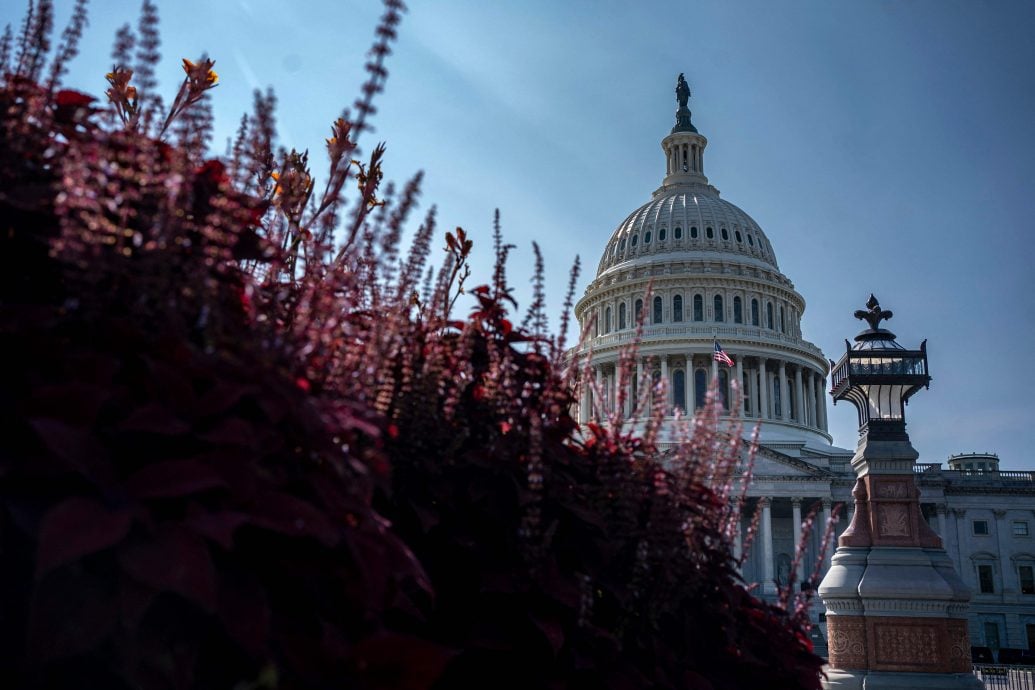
246	445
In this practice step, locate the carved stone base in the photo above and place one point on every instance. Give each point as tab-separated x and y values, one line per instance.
895	643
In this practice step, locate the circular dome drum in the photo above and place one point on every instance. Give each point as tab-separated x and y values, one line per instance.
697	272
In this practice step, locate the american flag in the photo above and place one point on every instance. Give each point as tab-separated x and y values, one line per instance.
721	356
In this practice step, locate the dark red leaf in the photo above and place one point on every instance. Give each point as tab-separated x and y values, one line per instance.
245	613
77	528
552	630
286	514
400	662
174	478
71	613
78	447
175	560
218	526
233	432
67	98
154	418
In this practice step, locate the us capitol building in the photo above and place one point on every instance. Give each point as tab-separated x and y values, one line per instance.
714	275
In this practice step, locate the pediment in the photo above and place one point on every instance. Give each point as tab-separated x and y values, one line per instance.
769	462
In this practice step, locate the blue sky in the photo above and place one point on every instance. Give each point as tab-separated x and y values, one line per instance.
882	146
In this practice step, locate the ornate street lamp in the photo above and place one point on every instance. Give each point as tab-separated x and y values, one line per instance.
878	375
896	609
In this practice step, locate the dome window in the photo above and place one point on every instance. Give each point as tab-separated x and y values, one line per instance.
657	309
754	310
769	315
646	237
678	233
607	320
738	236
677	308
693	232
698	308
751	240
738	310
720	313
621	316
621	245
783	324
709	233
661	235
634	240
725	234
638	311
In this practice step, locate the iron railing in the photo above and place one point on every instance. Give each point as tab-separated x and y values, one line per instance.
999	677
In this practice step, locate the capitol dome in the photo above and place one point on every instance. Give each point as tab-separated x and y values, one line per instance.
713	278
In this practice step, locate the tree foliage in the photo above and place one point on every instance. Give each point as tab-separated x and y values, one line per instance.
247	443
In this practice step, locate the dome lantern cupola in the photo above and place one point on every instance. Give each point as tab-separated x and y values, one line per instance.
684	146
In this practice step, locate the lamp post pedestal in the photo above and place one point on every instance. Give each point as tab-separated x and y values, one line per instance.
896	609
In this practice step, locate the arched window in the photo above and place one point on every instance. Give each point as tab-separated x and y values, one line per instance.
632	242
698	308
738	236
621	316
751	240
607	320
709	233
679	389
725	234
738	310
768	314
754	312
657	309
693	232
777	396
677	308
678	233
700	387
661	235
720	313
724	388
646	237
783	324
638	311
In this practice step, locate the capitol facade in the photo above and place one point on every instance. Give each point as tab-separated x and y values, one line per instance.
697	270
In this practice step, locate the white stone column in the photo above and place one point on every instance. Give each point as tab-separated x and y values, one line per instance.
668	384
799	396
738	540
615	388
827	503
812	399
796	525
584	404
763	389
785	396
821	406
768	578
640	381
740	383
1009	577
